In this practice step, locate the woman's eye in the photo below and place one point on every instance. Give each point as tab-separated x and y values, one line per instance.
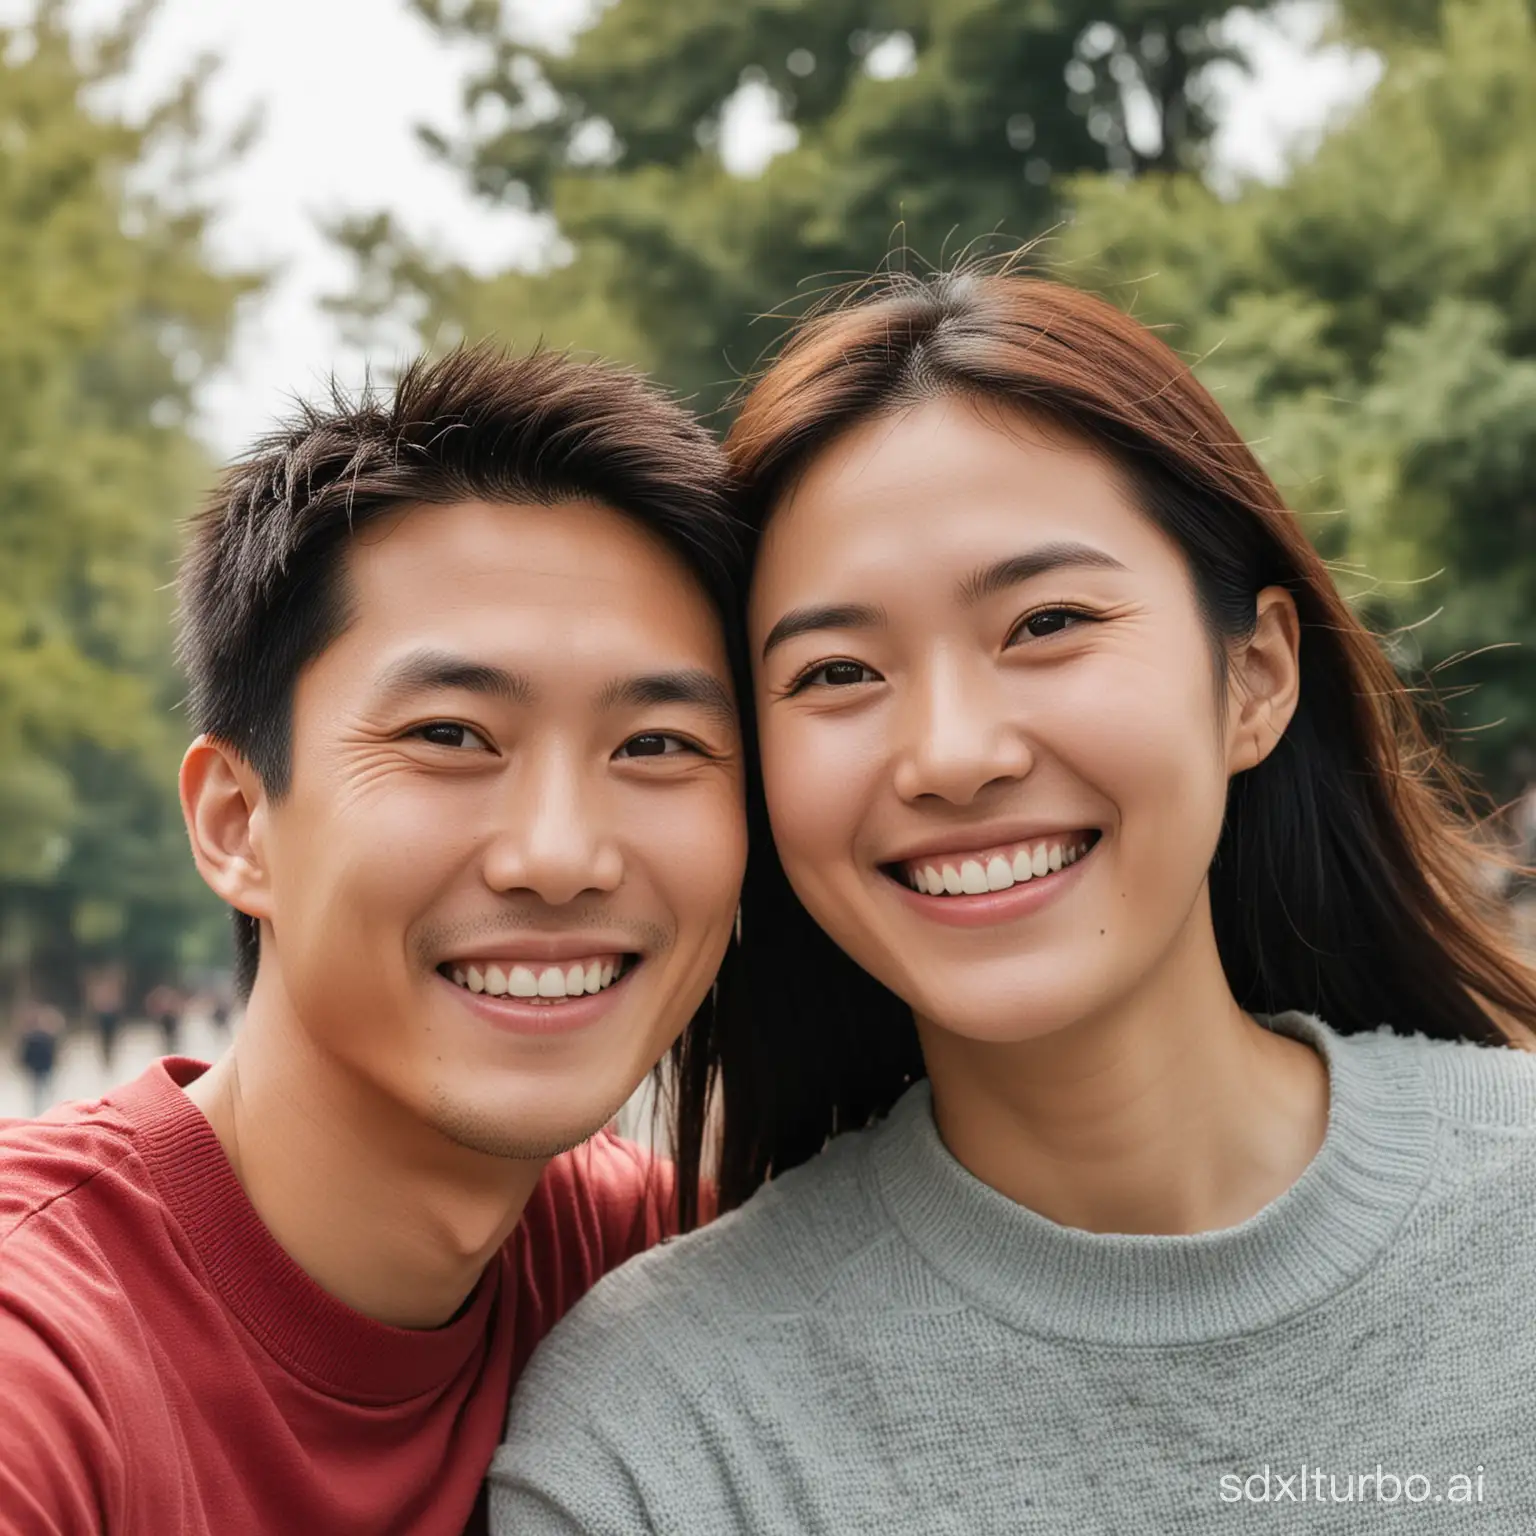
1047	622
836	674
446	733
655	744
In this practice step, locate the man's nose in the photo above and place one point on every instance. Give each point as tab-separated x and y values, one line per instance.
557	840
957	734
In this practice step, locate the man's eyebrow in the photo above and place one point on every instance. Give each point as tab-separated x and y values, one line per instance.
686	685
427	671
805	621
988	580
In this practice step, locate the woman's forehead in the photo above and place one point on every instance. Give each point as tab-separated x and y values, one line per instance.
946	485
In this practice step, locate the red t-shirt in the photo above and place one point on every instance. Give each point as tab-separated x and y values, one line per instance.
167	1370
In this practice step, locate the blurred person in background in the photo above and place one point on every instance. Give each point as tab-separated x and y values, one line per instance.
165	1004
1126	938
37	1049
470	778
106	992
220	1006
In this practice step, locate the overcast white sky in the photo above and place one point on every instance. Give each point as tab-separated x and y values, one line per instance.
341	84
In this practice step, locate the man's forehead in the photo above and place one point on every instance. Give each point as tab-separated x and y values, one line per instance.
508	577
661	678
565	536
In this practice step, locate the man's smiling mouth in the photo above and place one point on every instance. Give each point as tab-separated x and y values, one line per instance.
540	982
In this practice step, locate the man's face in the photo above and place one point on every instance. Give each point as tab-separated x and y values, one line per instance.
508	863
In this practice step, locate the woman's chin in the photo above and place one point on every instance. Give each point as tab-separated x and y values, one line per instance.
990	1012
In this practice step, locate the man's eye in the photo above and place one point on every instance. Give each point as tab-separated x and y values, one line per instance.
835	674
447	733
655	744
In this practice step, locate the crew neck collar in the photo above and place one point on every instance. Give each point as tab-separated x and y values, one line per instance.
1304	1246
307	1330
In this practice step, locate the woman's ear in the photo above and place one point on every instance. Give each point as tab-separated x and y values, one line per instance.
225	808
1264	681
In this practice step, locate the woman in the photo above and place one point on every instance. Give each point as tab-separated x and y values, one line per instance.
1114	847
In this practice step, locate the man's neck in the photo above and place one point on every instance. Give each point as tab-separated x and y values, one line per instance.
381	1210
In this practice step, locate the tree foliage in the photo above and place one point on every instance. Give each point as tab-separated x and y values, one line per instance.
928	122
111	316
1371	325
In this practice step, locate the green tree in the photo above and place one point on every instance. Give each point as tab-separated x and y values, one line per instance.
112	314
1371	325
928	121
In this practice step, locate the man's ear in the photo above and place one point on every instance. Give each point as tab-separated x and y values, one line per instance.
225	808
1265	681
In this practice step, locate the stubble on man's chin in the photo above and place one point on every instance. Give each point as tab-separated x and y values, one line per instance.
494	1137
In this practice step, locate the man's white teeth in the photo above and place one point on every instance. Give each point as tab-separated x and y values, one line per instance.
973	877
548	981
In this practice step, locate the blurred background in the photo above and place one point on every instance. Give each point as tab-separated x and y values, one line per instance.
209	208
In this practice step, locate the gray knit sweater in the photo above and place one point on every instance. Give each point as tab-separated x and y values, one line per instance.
880	1343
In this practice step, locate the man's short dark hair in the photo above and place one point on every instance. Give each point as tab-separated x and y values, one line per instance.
260	594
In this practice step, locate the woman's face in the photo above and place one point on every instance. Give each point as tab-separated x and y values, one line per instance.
994	751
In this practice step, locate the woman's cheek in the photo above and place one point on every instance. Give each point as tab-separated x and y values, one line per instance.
815	778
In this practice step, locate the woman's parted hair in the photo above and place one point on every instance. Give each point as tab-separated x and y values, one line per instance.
1347	881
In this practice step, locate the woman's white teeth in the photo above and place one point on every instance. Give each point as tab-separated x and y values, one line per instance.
550	981
973	877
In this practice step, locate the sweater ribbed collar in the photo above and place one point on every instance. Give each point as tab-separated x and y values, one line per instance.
1307	1244
305	1329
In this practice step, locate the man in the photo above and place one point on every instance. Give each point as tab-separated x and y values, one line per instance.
470	777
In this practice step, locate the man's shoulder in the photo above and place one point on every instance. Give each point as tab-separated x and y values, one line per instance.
52	1167
601	1203
791	1249
608	1166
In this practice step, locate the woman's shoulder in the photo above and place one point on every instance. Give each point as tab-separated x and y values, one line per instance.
780	1253
1467	1082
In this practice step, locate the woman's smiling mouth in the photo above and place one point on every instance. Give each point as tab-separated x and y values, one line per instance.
977	872
975	887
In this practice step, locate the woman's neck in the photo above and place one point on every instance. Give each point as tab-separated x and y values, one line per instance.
1169	1112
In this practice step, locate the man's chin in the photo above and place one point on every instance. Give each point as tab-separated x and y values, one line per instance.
518	1137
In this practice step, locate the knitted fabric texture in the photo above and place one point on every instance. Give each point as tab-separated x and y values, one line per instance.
878	1342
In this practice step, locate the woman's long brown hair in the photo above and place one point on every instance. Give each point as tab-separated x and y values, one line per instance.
1348	880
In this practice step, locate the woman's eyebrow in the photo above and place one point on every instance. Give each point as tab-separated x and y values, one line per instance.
987	580
804	621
